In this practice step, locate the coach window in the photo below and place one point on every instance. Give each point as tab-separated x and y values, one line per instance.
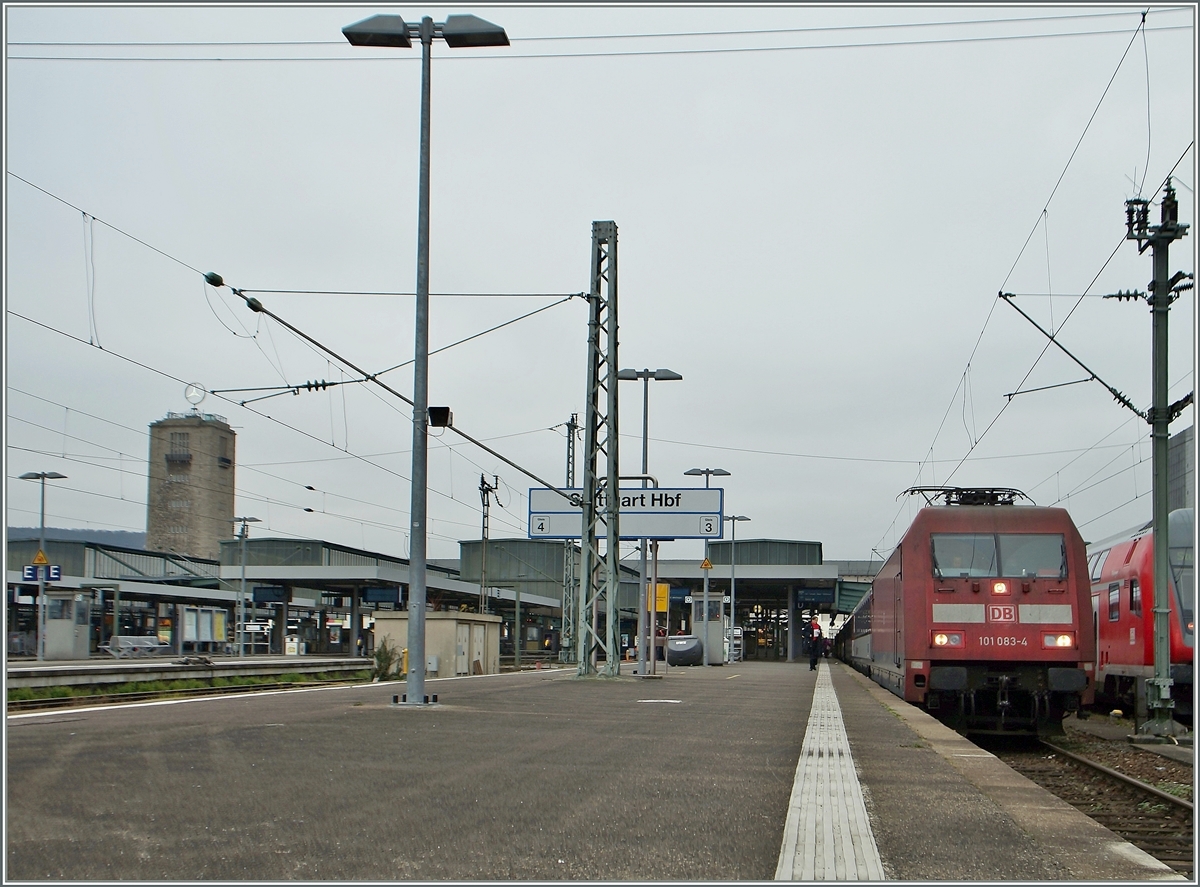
1114	602
1135	598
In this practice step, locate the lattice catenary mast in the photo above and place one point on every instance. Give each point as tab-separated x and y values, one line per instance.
599	577
568	649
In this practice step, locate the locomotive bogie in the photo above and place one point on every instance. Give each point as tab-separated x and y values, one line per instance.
1013	699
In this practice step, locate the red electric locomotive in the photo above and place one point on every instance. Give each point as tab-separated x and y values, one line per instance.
981	615
1122	573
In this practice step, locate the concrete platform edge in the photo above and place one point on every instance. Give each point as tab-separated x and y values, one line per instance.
1088	850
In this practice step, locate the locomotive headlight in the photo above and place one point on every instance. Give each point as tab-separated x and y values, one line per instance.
999	588
1058	641
948	639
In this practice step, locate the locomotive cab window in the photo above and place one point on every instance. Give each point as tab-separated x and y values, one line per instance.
1041	555
1184	579
964	555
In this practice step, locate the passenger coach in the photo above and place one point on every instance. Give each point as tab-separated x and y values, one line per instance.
981	615
1122	575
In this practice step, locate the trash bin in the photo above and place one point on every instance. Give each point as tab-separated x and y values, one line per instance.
685	650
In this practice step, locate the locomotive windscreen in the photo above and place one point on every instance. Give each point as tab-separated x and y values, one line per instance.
990	555
964	554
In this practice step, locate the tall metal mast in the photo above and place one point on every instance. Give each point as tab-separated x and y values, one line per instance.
568	650
1162	293
599	575
485	489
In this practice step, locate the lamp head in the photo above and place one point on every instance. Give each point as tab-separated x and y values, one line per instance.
379	30
469	30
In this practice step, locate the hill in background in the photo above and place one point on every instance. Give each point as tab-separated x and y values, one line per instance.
120	538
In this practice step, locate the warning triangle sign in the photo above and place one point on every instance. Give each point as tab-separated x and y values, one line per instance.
39	559
706	564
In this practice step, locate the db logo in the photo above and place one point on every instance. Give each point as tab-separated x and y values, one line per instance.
1001	613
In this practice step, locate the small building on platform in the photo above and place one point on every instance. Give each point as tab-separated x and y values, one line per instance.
456	643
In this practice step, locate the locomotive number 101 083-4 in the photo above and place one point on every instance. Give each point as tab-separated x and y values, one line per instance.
1002	641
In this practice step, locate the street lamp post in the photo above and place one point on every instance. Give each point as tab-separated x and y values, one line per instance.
733	520
707	472
393	31
241	611
42	476
659	375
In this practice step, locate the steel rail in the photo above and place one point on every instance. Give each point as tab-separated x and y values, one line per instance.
1136	783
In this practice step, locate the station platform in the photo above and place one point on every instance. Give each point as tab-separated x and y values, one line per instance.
100	671
1182	750
751	771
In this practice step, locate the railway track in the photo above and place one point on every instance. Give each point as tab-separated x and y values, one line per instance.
67	702
1151	819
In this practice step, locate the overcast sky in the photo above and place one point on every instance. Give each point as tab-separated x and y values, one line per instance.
816	205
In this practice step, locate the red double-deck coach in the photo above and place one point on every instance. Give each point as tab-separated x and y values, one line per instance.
1122	575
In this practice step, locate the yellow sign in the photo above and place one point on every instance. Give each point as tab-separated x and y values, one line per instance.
706	564
659	604
39	559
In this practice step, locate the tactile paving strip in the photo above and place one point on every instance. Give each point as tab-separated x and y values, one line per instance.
827	835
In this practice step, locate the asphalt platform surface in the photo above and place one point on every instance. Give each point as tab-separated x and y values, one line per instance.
523	776
532	776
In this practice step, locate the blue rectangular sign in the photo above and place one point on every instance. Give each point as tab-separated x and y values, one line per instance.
381	595
50	573
270	594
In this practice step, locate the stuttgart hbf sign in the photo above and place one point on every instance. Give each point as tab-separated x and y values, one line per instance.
687	513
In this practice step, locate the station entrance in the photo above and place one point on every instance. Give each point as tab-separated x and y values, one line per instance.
775	589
